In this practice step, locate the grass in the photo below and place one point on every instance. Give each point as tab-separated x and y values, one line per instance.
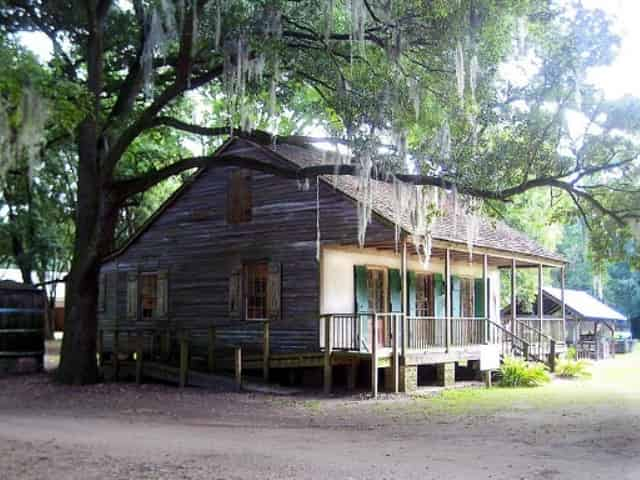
613	382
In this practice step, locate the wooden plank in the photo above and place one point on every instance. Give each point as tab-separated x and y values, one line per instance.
100	348
115	354
237	356
374	358
514	298
139	355
265	351
211	349
184	360
396	358
328	368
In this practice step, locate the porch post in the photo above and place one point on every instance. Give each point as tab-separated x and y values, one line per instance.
403	278
395	326
447	277
374	357
540	298
487	297
514	301
564	331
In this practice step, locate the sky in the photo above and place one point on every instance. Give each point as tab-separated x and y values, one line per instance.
620	78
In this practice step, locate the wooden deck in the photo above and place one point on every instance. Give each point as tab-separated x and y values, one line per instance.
345	340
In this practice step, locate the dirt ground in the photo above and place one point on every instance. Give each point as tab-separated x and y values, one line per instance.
587	429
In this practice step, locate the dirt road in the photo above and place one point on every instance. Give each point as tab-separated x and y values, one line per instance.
569	430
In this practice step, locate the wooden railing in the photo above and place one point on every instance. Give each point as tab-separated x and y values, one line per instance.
345	330
599	349
509	344
353	332
549	326
426	332
542	347
467	331
157	343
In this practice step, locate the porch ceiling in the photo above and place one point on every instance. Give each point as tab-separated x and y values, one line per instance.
458	254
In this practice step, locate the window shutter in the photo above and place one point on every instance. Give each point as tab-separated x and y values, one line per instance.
411	292
274	291
361	290
395	291
132	295
102	292
456	297
479	298
362	302
235	293
438	293
162	294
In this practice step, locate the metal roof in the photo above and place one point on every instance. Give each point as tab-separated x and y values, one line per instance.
584	304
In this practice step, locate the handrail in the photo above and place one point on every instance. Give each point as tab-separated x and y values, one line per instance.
534	329
507	331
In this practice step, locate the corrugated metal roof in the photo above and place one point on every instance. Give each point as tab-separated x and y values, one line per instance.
584	304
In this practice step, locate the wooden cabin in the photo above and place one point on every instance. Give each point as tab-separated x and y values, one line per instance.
234	253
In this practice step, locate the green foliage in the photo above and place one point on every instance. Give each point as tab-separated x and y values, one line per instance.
515	372
571	368
571	354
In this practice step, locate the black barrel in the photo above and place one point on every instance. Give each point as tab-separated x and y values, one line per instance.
21	326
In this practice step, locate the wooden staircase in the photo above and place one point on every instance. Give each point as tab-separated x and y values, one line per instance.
532	345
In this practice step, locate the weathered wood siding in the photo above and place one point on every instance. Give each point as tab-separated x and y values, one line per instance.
192	240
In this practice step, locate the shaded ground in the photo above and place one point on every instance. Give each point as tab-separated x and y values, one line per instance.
570	429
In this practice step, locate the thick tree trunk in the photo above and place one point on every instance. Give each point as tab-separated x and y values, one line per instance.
94	234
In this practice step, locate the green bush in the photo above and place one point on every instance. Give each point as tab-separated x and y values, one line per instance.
572	354
515	372
570	368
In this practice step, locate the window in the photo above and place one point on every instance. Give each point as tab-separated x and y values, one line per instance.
466	296
424	295
239	201
256	277
376	287
149	294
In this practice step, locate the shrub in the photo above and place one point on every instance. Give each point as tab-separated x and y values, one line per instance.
572	354
570	368
515	372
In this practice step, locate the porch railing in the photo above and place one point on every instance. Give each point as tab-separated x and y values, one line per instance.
426	332
353	332
468	331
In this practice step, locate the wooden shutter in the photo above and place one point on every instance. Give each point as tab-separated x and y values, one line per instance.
395	291
361	290
479	298
162	295
274	291
456	297
239	198
235	293
361	293
132	295
411	292
438	295
102	292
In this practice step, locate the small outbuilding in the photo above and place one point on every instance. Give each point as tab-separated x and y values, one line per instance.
590	324
22	310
